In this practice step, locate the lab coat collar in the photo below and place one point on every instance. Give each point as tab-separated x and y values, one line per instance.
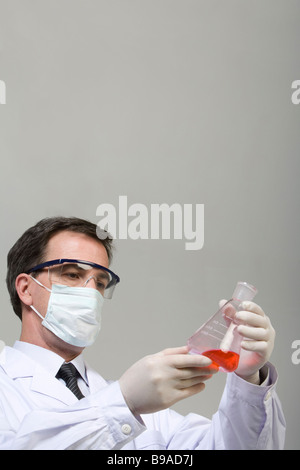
40	356
48	359
17	364
27	360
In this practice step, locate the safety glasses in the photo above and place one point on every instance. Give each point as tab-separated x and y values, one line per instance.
78	273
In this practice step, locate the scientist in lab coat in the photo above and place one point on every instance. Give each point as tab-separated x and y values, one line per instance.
58	276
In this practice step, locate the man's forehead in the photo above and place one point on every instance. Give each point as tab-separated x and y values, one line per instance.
73	245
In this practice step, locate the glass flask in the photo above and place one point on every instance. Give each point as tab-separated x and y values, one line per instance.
218	338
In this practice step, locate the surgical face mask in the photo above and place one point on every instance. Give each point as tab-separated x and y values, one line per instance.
73	314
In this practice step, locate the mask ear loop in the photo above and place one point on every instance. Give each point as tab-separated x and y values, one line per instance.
35	310
42	285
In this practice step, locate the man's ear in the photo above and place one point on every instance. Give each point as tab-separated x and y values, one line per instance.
23	288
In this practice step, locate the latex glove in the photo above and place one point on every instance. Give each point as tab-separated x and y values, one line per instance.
160	380
258	341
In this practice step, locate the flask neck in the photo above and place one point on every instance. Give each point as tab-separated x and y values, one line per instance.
244	291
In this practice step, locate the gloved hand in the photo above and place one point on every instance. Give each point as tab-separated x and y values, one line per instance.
160	380
258	341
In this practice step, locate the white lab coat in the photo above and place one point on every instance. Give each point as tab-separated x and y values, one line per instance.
37	411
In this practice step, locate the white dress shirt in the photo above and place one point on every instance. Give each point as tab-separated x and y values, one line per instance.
37	411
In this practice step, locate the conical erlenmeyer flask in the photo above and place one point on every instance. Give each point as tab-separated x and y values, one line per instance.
218	338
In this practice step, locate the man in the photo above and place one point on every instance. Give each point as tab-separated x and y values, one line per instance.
58	274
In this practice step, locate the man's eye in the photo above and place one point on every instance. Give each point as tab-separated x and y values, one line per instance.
101	285
71	276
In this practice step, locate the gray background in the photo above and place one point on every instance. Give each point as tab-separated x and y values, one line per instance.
163	101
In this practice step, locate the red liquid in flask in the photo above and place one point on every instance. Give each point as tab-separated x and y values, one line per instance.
227	360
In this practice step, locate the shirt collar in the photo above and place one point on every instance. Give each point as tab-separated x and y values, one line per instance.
49	360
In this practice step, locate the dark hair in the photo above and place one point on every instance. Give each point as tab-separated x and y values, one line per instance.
30	249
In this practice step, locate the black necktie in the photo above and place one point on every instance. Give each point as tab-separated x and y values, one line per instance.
69	374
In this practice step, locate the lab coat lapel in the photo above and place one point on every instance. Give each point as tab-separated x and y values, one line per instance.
44	383
18	366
